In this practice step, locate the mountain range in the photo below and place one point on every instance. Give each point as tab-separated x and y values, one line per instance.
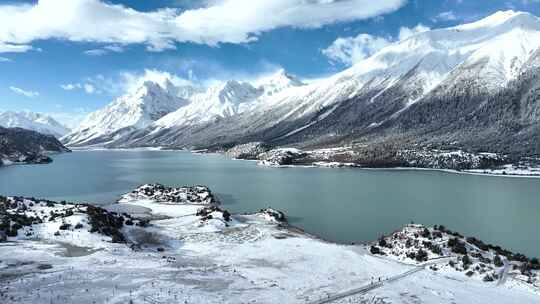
473	87
33	121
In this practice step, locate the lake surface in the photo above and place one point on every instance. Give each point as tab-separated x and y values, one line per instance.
343	205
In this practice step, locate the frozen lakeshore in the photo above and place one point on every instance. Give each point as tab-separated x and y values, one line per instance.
177	245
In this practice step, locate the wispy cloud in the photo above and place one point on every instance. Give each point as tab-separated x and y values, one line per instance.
4	59
29	94
445	16
224	21
13	48
105	50
350	50
87	87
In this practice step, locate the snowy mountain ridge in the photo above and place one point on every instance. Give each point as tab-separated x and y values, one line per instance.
134	110
32	121
227	99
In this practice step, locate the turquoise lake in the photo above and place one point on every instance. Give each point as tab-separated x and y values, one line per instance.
342	205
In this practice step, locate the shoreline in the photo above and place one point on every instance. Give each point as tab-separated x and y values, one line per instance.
344	165
200	253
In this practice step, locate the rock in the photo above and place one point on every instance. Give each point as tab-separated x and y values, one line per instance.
281	157
249	151
274	215
197	195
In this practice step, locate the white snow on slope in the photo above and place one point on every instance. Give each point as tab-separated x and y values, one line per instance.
135	110
32	121
227	99
503	41
491	51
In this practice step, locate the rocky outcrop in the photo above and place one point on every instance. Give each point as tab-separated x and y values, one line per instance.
249	151
282	157
19	216
27	147
418	244
197	195
273	215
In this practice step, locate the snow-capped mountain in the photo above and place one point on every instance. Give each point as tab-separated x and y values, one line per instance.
135	110
432	88
221	100
33	121
227	99
277	82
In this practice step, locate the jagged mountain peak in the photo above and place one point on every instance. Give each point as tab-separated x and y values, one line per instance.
230	91
277	82
135	110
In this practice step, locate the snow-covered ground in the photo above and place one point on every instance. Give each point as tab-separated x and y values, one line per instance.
526	169
182	247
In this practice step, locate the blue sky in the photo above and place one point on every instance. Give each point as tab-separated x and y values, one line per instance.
69	57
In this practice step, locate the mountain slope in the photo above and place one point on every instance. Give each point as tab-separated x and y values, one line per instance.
447	88
452	63
132	111
32	121
24	146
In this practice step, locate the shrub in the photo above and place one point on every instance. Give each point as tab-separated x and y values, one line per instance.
421	256
478	243
498	261
375	250
64	226
457	246
226	216
408	243
466	261
488	278
426	233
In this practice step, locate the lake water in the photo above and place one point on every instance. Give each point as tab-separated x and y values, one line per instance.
344	205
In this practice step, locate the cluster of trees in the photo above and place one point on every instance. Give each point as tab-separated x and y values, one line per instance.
107	223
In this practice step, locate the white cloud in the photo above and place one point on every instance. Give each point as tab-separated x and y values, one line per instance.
105	50
350	50
124	82
220	21
13	48
70	86
353	49
89	89
132	81
29	94
4	59
445	16
96	52
86	87
406	32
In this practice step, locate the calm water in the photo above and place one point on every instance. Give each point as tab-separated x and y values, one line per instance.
345	205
